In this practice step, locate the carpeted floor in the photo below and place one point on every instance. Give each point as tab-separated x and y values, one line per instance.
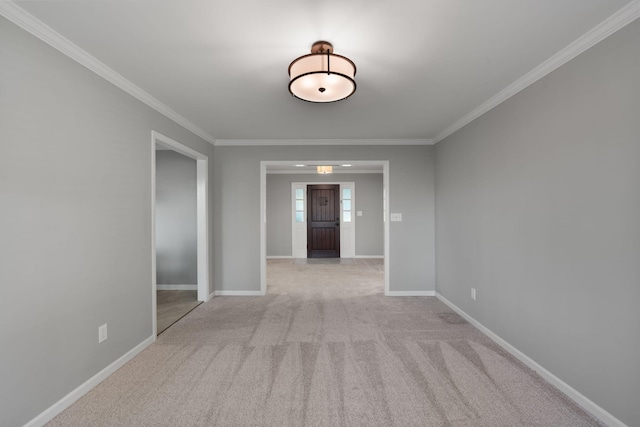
324	348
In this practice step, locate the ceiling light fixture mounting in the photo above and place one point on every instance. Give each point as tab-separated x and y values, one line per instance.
322	76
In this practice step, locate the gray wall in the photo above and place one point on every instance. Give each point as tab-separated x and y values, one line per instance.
237	211
538	208
368	199
176	219
75	222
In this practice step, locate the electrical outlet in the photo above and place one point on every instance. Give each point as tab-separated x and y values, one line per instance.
396	217
473	294
102	333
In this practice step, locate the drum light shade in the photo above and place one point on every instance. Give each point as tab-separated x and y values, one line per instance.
322	76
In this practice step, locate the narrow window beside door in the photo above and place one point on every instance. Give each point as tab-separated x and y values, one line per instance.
346	205
299	205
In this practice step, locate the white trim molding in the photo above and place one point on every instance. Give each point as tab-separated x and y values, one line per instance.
335	172
369	256
263	210
31	24
269	142
55	409
572	393
411	293
615	22
202	220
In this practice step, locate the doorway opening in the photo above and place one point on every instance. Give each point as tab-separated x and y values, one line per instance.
344	214
290	167
179	298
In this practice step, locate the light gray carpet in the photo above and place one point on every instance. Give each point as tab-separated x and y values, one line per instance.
324	348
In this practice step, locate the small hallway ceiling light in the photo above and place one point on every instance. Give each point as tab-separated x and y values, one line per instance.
325	169
322	76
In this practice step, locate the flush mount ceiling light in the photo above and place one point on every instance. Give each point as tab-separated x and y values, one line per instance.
322	76
325	169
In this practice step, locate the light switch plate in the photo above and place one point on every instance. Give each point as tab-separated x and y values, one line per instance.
359	213
102	333
396	217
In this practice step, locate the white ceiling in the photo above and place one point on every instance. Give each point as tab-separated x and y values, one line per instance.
338	167
422	65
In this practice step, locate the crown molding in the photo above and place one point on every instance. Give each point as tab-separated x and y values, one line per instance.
31	24
615	22
270	142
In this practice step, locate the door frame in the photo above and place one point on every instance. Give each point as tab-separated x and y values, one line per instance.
263	209
346	232
202	217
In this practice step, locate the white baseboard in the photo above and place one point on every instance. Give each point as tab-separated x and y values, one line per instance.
411	294
211	295
370	256
177	287
84	388
238	293
280	257
572	393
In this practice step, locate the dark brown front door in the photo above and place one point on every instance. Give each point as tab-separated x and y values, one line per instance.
323	226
